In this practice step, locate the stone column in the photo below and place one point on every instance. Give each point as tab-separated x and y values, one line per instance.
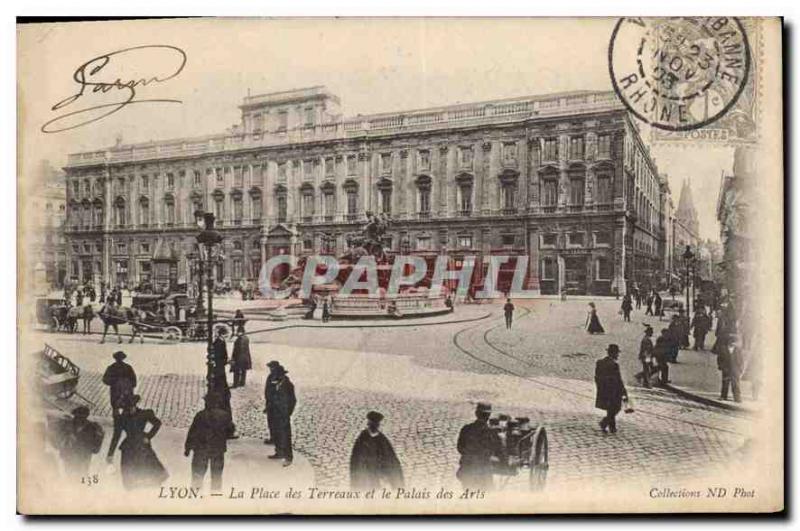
443	180
484	177
533	199
563	180
365	191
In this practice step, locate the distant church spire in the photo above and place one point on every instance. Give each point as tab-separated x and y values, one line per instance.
686	212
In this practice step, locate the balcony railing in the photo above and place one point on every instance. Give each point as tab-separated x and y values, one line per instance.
424	215
426	119
508	211
352	217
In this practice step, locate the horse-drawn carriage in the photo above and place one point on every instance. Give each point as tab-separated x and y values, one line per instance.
171	329
525	451
57	315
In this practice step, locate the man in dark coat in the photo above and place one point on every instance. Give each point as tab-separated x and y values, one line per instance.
220	357
701	324
657	303
646	356
508	310
683	327
207	438
610	388
121	381
373	459
79	439
240	359
280	404
477	444
663	353
730	363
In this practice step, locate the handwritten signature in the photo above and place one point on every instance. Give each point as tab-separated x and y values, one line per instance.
94	79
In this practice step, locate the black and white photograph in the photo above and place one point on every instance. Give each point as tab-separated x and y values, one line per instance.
400	266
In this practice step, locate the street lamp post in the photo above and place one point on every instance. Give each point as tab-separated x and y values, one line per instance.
688	257
209	241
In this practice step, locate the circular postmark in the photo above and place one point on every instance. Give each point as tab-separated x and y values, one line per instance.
679	73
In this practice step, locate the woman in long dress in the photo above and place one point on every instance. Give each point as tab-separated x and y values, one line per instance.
139	464
593	325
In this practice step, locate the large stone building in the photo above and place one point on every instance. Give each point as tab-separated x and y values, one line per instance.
46	241
563	179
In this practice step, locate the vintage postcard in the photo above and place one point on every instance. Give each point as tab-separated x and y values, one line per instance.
400	266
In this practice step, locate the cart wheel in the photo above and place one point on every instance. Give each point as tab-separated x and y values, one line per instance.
222	327
172	334
539	459
53	324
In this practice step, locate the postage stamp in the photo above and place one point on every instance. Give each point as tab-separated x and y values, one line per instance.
688	78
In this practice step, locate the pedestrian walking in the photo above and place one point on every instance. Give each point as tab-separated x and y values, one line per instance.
220	359
637	294
88	317
593	325
478	444
610	389
240	359
626	308
663	352
78	440
657	302
701	324
139	464
121	381
326	312
649	302
683	328
508	310
373	460
646	350
675	338
238	321
207	440
78	297
729	362
280	403
119	296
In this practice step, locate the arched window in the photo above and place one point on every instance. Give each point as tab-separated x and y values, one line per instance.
307	202
464	193
328	201
144	212
549	187
258	208
98	214
120	214
424	195
281	203
385	195
577	182
169	210
351	193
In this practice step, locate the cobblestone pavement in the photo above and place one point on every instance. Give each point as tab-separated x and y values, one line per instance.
426	380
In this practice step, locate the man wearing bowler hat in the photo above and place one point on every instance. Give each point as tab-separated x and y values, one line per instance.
373	458
477	444
280	404
121	381
610	388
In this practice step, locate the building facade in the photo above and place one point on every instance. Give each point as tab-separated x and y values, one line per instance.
47	239
563	179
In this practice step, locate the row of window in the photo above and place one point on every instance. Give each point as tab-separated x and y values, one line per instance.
576	148
575	269
577	239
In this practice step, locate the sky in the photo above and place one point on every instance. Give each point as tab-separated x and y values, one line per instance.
373	65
